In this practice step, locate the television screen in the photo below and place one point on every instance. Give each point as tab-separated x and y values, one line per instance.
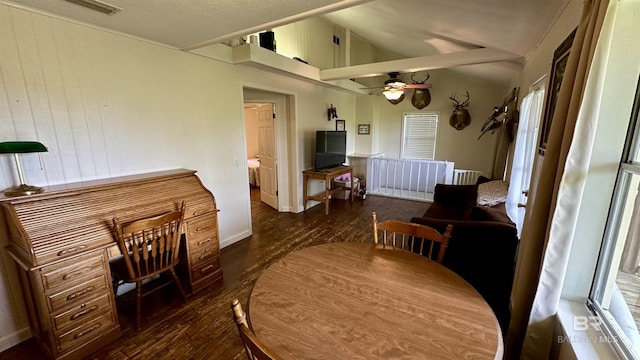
331	149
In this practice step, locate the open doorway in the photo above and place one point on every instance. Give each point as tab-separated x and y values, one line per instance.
284	175
261	152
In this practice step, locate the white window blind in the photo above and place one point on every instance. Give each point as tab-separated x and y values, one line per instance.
419	135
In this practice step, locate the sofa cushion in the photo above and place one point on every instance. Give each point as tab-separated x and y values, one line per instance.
491	213
440	211
453	202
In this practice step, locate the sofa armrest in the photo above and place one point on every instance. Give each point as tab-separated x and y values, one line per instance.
483	253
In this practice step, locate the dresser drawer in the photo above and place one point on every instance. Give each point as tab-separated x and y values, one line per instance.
205	269
82	313
78	293
204	241
201	227
74	271
202	256
199	207
85	333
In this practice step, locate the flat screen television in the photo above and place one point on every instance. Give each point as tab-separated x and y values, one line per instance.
331	149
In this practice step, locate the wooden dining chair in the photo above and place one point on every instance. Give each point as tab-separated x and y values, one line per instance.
412	237
149	248
252	345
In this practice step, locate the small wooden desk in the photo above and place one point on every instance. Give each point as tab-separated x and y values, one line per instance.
351	300
328	175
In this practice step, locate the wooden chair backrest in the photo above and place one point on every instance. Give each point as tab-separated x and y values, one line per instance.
150	246
254	348
409	236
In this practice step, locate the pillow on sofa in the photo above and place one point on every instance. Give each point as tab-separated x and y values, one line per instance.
492	193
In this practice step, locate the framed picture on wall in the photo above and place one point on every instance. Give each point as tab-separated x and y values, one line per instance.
364	129
559	64
340	125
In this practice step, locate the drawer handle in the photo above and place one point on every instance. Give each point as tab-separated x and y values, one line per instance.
84	312
205	255
201	228
81	292
72	250
202	242
83	333
76	273
206	268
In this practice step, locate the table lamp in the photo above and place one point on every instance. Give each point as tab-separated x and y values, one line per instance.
15	148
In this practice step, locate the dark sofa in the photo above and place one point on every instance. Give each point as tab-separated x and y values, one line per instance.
483	243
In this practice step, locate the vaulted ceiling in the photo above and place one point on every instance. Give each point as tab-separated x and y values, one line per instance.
442	33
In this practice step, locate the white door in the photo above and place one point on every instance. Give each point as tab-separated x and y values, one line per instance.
267	150
524	155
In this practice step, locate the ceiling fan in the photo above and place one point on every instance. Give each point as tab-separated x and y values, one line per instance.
394	90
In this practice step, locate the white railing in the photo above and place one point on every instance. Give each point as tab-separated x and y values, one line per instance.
408	179
467	177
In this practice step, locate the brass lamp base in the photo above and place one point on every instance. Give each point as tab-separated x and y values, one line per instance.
22	190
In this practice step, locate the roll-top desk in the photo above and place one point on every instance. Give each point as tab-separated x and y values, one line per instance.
63	238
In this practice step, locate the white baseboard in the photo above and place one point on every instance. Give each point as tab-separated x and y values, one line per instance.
14	339
234	239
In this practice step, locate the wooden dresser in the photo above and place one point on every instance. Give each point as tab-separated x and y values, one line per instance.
63	238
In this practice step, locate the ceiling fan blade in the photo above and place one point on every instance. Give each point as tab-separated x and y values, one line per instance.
418	86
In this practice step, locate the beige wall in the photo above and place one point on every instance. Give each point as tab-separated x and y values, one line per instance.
312	41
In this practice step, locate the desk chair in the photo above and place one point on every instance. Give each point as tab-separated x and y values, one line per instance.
410	236
252	345
149	247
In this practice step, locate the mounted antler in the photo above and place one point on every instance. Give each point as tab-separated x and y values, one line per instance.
420	82
460	105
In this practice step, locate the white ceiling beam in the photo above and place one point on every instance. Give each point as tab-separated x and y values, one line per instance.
343	4
431	62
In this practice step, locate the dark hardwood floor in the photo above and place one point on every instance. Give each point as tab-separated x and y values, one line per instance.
203	328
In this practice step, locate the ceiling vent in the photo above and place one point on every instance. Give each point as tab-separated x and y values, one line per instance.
97	6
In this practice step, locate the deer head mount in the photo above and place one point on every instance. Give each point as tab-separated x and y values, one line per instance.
421	96
460	117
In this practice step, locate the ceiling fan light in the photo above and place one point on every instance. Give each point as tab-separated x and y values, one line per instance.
393	94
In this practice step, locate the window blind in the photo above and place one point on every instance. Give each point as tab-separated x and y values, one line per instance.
419	135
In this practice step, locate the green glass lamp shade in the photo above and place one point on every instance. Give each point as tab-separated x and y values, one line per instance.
13	147
19	147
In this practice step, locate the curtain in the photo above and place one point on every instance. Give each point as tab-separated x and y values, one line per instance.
524	154
550	219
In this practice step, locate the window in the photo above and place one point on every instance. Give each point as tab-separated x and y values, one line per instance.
419	135
615	295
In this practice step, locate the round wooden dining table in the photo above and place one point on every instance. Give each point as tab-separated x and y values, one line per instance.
356	301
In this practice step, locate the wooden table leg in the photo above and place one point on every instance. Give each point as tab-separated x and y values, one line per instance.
305	179
327	191
352	189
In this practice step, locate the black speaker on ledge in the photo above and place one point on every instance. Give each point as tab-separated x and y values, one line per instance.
268	40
